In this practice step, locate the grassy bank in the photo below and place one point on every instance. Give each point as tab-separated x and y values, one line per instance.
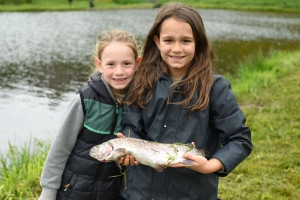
268	90
20	171
62	5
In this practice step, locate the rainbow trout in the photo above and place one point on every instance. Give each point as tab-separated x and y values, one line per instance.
153	154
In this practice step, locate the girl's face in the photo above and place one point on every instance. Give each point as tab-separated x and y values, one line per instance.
176	43
117	64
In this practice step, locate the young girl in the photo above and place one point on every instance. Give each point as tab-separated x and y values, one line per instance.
93	117
176	97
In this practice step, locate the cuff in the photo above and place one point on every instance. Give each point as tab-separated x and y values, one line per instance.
222	170
48	194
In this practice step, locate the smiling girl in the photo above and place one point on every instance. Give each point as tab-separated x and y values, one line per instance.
93	117
181	100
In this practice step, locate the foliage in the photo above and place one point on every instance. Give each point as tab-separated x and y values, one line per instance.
16	2
20	171
57	5
126	1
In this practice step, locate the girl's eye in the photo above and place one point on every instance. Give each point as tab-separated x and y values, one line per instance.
127	64
168	41
186	41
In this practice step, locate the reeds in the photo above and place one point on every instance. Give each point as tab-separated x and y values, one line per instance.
20	170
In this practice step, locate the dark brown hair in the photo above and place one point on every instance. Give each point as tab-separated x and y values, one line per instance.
199	77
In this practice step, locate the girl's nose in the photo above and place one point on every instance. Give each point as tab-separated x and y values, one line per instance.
177	47
119	70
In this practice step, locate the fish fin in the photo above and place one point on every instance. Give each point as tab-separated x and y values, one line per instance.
159	168
121	151
187	162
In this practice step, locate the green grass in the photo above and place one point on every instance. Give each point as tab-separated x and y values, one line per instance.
248	5
20	171
62	5
268	90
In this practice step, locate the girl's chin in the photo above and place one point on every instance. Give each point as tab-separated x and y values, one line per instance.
119	88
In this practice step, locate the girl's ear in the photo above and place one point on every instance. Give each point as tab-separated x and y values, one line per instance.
138	62
98	64
156	40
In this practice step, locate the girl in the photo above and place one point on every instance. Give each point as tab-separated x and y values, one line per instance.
181	100
93	117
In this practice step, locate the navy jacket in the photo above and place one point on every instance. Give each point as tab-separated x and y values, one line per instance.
220	128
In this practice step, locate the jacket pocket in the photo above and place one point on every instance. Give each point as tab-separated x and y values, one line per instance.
68	187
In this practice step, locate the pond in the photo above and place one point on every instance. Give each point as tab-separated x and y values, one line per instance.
46	56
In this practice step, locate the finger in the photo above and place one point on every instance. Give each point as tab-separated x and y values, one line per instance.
189	156
193	143
177	165
120	135
126	161
121	160
132	160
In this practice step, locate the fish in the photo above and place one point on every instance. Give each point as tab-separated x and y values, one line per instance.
150	153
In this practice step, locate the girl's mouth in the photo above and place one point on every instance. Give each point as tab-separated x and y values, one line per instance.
119	79
177	57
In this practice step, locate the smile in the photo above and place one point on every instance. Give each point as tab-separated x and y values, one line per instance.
119	79
177	57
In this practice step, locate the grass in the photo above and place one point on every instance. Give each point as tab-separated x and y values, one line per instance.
268	90
20	171
292	6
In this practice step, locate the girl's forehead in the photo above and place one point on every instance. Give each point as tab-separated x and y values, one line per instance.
116	45
172	26
117	50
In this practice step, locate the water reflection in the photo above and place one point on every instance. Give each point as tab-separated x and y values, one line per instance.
45	57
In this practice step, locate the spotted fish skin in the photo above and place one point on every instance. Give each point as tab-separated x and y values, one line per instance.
153	154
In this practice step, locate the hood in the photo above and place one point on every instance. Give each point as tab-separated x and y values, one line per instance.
95	78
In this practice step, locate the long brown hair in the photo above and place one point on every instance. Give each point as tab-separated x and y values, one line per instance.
199	77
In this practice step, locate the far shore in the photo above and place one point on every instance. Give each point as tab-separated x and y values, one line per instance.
244	5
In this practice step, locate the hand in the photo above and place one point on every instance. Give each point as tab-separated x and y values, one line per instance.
120	135
200	164
127	159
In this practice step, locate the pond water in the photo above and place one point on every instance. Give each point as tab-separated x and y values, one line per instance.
46	56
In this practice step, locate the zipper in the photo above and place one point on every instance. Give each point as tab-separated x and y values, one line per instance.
117	108
111	133
116	118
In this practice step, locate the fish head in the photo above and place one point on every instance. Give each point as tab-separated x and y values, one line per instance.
102	151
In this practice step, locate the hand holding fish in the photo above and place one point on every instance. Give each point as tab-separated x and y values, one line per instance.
200	164
127	159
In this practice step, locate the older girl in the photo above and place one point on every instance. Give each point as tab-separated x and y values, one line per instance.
176	97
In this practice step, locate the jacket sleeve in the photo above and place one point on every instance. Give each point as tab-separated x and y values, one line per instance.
228	119
132	122
61	148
